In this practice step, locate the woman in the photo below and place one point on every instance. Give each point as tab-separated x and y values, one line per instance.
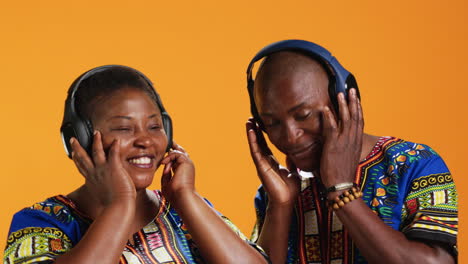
113	217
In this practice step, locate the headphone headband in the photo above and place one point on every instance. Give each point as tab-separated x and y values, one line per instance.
304	46
340	80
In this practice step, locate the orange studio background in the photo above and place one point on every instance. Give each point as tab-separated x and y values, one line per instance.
409	58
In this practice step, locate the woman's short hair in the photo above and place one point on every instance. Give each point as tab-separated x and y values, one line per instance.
105	83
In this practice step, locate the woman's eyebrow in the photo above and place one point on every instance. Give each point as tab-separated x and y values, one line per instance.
120	117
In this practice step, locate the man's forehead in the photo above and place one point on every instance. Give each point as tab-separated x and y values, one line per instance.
288	65
284	62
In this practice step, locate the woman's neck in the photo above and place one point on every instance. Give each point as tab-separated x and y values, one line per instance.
146	202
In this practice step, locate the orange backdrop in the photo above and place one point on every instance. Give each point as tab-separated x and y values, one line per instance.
409	58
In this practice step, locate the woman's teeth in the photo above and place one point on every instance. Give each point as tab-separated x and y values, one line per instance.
142	160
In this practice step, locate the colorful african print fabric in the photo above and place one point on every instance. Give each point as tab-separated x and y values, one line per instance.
50	228
406	184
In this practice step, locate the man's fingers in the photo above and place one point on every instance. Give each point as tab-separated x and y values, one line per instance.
253	146
353	105
252	138
330	126
343	109
360	115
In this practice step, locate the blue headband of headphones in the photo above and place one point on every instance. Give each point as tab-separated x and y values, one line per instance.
340	79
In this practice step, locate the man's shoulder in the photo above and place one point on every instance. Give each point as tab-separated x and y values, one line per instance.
402	150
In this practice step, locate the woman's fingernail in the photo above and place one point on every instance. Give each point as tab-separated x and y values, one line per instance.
72	140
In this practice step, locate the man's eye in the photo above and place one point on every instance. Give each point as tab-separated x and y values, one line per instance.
302	117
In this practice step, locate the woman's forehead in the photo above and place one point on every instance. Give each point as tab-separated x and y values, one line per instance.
126	101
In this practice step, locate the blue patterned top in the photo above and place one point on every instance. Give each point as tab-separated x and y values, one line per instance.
42	232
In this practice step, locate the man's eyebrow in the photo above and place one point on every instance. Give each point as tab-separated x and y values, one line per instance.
292	109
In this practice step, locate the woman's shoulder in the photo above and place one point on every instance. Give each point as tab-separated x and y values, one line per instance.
56	211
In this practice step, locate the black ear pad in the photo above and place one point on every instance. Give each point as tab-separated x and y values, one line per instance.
80	129
332	92
167	124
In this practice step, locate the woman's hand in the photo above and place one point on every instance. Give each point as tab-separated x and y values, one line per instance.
105	177
281	185
178	174
343	141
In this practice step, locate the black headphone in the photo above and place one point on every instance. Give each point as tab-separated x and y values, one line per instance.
73	125
340	80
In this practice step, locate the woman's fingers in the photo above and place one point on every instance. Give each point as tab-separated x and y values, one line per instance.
114	153
178	147
173	159
166	176
99	156
82	160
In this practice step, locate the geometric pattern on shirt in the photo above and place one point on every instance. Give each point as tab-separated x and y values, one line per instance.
35	244
385	177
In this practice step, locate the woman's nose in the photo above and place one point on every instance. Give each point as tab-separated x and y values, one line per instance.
142	140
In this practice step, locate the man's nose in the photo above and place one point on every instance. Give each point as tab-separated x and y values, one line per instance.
292	133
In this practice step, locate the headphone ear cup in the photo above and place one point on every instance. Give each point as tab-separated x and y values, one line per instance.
333	93
167	124
351	83
84	134
253	107
81	131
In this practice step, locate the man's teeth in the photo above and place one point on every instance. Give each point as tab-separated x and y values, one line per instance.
142	160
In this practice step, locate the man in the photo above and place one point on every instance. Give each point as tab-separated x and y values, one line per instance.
370	199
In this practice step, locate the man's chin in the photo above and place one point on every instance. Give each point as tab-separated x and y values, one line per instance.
306	165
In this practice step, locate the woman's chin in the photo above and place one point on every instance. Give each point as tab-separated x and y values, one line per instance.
142	181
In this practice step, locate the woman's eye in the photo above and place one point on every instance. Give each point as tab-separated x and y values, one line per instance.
155	127
270	123
121	129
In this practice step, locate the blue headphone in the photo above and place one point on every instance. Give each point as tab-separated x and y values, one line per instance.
340	80
73	125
